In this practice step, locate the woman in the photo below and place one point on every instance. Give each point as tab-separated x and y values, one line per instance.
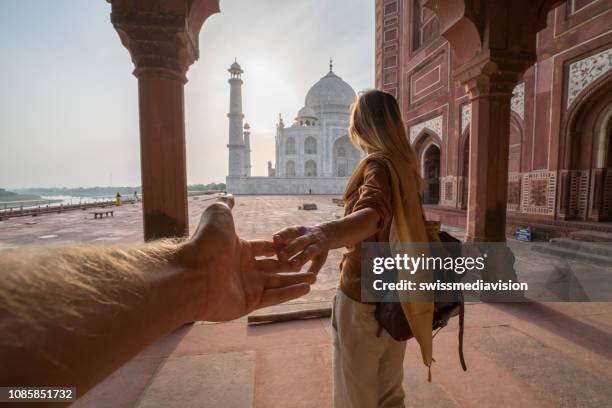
381	205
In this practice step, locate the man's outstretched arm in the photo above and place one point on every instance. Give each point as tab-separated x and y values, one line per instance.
70	317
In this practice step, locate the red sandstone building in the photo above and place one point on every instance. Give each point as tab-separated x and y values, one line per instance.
559	153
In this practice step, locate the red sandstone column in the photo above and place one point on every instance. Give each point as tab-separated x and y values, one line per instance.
162	155
488	169
488	179
162	38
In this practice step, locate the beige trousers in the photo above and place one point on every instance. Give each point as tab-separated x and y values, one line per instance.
368	369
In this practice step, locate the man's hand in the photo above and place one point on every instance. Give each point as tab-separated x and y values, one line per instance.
298	245
73	315
235	282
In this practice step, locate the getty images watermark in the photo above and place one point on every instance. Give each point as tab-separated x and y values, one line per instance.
492	272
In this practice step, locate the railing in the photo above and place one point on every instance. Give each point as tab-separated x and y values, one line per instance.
9	205
38	207
33	208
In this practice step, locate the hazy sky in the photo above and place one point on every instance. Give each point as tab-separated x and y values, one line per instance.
68	100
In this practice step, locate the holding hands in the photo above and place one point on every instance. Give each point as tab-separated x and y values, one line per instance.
299	244
237	280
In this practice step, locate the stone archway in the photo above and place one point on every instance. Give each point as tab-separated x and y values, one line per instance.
310	145
290	169
430	165
515	144
585	181
310	169
290	146
490	55
600	198
515	152
427	147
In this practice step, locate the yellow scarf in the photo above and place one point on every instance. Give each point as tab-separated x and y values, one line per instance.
408	226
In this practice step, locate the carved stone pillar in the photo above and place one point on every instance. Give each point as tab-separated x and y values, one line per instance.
490	96
493	42
162	38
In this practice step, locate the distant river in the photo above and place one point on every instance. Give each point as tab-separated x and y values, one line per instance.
66	200
52	201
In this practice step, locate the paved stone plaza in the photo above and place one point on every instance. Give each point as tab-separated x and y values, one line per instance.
518	355
257	217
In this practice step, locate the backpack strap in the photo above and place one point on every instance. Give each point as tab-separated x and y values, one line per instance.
461	324
461	314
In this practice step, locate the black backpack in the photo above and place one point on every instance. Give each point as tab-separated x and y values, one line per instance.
391	317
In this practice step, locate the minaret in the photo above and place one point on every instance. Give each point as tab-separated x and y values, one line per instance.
279	132
247	150
235	115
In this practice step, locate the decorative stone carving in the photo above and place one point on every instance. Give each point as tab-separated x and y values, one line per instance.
538	192
447	190
162	37
583	72
517	102
433	124
514	192
466	116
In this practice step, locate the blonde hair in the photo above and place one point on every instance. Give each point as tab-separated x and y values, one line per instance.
376	124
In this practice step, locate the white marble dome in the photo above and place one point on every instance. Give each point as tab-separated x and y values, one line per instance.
331	90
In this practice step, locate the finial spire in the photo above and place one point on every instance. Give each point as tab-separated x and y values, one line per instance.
331	64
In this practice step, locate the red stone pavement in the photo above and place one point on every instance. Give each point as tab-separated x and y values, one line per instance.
519	355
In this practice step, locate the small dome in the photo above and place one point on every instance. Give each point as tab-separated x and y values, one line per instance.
307	112
330	90
235	67
247	126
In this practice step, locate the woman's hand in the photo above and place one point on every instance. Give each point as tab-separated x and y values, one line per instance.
298	245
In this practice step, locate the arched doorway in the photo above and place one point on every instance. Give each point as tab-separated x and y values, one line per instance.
515	152
290	169
290	146
345	157
601	185
427	146
431	174
514	166
585	179
310	145
310	169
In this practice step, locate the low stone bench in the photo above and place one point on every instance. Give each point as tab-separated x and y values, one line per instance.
102	214
308	207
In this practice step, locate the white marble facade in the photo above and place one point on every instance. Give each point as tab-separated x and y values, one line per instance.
286	185
313	154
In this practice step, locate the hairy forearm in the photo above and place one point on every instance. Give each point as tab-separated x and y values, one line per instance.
65	311
352	229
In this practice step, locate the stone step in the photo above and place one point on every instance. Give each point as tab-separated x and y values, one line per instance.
573	255
596	248
591	236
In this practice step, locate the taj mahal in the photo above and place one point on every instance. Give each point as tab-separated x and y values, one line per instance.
313	155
